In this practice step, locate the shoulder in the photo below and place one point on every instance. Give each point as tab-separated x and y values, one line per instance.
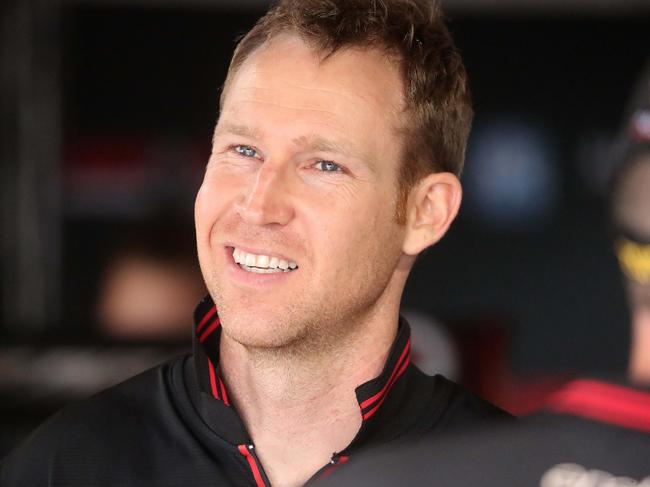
90	434
457	407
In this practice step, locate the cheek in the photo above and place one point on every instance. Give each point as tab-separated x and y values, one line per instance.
202	213
354	233
212	201
378	232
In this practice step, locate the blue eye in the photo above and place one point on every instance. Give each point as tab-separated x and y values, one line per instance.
328	166
245	150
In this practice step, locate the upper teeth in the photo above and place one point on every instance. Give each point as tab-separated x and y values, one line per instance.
261	261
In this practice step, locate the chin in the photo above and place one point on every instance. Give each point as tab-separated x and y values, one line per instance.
256	327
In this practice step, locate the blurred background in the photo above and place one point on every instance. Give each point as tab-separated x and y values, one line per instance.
107	109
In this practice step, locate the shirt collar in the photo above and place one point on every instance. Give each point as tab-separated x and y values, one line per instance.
378	399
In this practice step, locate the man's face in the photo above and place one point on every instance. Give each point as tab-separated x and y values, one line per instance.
295	219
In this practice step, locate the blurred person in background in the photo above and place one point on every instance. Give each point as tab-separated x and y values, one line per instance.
592	432
147	289
150	285
434	350
335	162
631	219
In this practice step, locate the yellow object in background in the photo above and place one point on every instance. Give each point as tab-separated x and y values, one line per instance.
634	259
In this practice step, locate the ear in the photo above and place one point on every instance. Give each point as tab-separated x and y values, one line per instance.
432	205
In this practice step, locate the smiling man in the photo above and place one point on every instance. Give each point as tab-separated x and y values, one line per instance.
335	162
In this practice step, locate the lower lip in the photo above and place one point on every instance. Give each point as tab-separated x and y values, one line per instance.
253	278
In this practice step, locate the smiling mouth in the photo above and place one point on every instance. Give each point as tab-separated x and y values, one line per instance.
261	264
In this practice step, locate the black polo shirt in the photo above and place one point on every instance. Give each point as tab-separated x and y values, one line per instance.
174	425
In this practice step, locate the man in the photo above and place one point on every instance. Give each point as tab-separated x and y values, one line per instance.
335	162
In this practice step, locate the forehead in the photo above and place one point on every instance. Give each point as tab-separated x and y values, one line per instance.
352	86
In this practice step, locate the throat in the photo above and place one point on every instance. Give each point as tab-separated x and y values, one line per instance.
299	403
294	444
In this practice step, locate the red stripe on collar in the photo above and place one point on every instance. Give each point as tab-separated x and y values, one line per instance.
208	331
217	387
213	380
252	462
368	414
379	398
607	403
206	318
223	392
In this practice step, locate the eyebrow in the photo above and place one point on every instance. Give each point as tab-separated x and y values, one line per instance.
235	129
321	144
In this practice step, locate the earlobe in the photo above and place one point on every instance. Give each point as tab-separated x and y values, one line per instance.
433	204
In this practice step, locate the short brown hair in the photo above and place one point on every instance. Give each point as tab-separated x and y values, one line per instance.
437	99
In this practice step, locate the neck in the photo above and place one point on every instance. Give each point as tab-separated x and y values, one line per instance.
639	366
301	407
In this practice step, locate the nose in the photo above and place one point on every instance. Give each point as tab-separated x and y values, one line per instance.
266	199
